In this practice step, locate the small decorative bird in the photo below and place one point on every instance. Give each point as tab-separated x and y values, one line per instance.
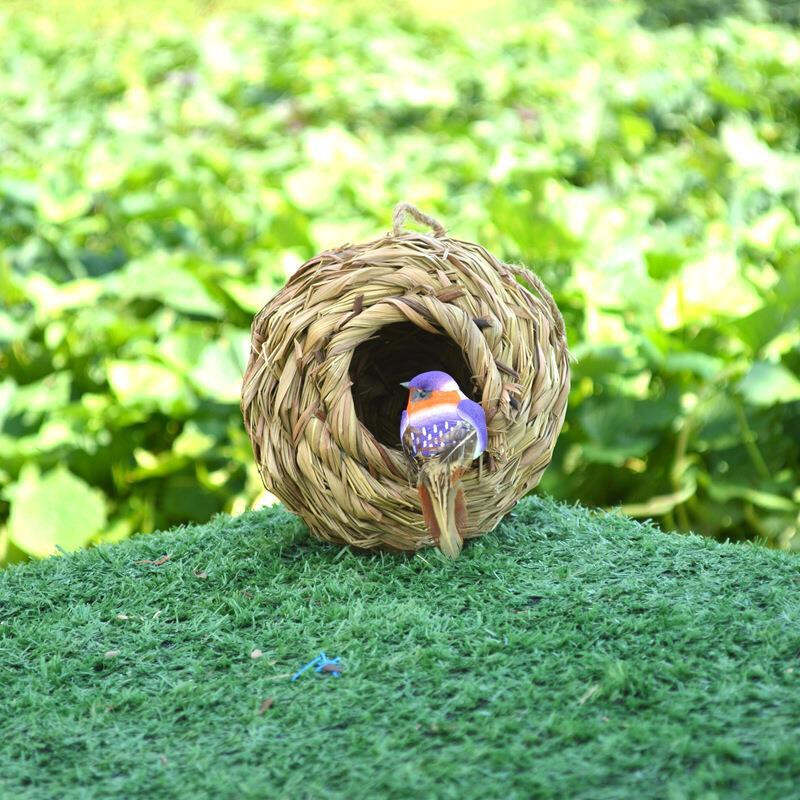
442	432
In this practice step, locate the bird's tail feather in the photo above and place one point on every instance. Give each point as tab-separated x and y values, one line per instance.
443	507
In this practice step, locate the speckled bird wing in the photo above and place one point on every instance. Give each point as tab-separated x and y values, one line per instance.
407	435
463	442
407	440
453	441
473	413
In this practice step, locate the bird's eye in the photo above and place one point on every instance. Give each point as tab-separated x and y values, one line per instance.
421	394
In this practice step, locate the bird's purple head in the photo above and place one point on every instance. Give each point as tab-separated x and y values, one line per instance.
433	381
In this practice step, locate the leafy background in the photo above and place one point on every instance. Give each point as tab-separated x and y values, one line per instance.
162	171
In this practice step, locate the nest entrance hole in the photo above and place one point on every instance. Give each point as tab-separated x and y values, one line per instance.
395	354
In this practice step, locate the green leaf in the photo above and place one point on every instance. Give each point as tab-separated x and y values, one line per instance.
182	348
150	384
185	499
699	363
726	491
11	291
727	94
775	170
54	510
619	420
596	360
637	132
247	296
163	276
617	455
61	208
311	188
707	288
192	442
218	374
662	265
152	466
766	384
51	298
7	389
760	327
664	503
12	329
41	397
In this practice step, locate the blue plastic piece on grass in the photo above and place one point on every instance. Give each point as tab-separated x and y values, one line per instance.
327	662
319	663
312	663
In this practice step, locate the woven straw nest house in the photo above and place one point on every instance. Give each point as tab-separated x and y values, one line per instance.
321	396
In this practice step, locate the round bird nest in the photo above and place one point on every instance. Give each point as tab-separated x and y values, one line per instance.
321	396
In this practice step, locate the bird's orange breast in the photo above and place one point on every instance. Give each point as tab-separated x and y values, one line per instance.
435	399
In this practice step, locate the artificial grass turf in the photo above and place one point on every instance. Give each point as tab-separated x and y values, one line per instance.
568	655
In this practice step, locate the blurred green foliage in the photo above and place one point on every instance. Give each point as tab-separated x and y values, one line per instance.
660	13
157	184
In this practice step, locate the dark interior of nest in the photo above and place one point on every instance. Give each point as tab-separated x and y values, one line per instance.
396	354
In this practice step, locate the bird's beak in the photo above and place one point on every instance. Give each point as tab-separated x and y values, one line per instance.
404	384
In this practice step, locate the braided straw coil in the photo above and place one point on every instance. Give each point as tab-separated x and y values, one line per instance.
321	396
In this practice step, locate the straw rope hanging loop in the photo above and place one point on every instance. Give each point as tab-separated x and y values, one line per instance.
403	209
321	395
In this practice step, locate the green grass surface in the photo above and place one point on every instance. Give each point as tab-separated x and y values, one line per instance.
568	655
